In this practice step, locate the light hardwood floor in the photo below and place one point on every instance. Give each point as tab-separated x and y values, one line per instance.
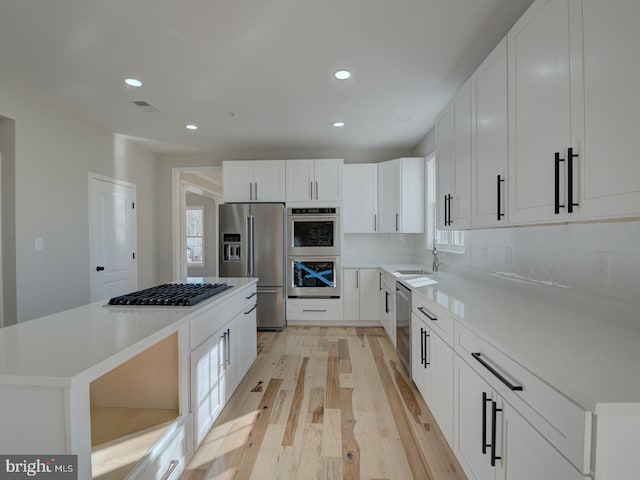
327	403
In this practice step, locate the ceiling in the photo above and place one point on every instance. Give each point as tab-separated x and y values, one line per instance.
254	75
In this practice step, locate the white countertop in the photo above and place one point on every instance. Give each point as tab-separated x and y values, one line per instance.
85	342
589	360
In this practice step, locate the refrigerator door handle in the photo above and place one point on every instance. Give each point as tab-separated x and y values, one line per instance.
249	245
253	244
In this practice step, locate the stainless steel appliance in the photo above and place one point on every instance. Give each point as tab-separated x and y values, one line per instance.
252	245
313	276
403	326
313	231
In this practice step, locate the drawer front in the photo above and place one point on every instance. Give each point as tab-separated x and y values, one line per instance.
563	423
308	309
168	458
435	316
212	319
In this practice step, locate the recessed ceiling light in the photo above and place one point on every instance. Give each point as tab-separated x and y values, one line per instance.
342	74
133	82
191	126
338	124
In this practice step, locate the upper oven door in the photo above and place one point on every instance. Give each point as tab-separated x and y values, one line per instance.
313	234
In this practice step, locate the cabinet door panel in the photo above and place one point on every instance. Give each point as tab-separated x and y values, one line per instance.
528	455
489	137
469	421
328	180
360	208
299	178
611	171
442	375
539	109
444	161
369	287
388	200
269	177
237	178
351	294
419	371
461	203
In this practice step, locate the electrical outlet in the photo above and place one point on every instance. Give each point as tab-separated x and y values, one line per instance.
602	265
484	251
39	244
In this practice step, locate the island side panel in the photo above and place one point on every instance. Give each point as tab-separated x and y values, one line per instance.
32	420
78	432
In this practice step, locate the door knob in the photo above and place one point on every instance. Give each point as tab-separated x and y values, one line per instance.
99	268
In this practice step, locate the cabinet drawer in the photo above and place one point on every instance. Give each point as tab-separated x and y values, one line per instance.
310	309
169	456
213	318
563	423
435	316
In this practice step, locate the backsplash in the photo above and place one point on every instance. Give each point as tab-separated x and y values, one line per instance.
377	249
566	257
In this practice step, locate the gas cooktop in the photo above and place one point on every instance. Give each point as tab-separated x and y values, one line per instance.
171	295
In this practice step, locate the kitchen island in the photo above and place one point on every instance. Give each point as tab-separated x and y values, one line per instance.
75	381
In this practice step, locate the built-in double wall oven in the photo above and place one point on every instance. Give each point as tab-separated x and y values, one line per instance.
313	252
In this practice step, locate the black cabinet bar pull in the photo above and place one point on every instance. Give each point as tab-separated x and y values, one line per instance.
252	309
570	203
422	355
485	399
500	215
450	198
386	302
557	205
446	197
511	386
425	312
252	295
494	428
426	351
380	281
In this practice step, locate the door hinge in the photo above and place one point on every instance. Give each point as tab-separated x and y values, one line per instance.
133	205
134	255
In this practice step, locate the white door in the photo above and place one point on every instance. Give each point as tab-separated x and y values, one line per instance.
388	196
608	162
461	203
489	139
237	180
360	209
444	168
113	238
268	181
540	99
328	180
299	178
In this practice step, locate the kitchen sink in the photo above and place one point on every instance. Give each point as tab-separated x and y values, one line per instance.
413	272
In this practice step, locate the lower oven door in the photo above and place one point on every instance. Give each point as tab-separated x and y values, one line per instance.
313	277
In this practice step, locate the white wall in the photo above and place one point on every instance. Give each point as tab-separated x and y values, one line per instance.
55	150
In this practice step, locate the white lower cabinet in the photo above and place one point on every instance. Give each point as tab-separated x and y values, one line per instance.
361	287
219	363
432	372
492	439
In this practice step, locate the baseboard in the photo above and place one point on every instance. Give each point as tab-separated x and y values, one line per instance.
335	323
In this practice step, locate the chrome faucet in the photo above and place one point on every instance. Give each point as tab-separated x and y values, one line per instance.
436	260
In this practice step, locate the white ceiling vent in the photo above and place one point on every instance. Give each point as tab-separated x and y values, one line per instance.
144	106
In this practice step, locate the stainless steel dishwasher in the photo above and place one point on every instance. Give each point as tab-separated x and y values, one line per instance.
403	326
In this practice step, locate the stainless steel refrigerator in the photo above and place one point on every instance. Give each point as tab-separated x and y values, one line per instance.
252	245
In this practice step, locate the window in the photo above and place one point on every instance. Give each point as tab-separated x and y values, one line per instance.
195	236
447	240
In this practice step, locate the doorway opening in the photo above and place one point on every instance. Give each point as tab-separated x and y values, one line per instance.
197	192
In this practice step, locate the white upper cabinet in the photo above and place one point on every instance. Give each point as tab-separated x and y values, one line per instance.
444	167
490	140
454	163
360	187
540	102
314	181
253	181
607	164
401	195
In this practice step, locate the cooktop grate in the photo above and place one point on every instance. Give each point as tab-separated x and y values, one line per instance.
171	294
